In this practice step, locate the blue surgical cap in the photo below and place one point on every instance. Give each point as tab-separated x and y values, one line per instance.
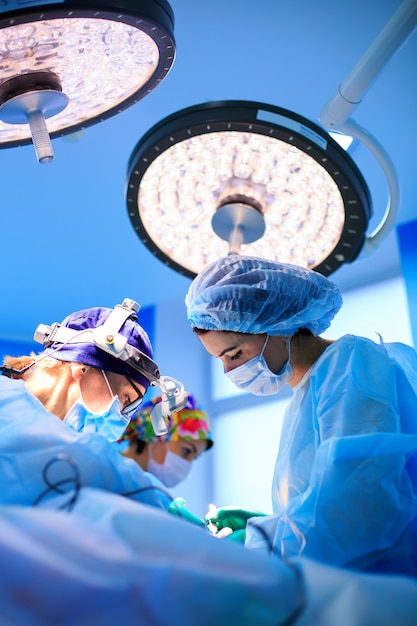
253	295
90	354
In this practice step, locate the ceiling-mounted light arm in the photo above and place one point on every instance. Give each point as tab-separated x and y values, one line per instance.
350	127
349	94
336	113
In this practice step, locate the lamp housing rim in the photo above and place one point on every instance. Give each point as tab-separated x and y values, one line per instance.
244	116
154	17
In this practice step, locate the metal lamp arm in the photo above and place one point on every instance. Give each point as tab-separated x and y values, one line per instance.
336	115
350	127
349	94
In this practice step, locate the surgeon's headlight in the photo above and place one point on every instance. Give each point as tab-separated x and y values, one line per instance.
174	398
108	338
105	337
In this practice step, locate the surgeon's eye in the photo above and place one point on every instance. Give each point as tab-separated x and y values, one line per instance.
187	453
236	356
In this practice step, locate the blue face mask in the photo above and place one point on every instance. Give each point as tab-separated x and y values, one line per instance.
110	423
255	376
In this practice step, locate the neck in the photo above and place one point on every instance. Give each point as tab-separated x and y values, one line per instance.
54	387
141	458
305	350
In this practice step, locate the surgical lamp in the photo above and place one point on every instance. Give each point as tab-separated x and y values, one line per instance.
238	176
77	63
212	178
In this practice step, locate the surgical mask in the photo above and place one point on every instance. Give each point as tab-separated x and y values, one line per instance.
172	471
110	423
255	376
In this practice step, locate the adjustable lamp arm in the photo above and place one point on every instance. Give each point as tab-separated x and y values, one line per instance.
336	113
350	127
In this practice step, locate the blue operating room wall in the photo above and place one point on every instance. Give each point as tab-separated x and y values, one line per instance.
407	238
10	347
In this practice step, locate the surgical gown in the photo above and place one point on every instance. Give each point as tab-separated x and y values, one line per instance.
114	561
41	457
345	481
108	559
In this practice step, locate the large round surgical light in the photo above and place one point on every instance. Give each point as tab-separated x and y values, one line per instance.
77	63
240	176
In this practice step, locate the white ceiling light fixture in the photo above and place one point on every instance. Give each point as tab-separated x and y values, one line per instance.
75	64
240	176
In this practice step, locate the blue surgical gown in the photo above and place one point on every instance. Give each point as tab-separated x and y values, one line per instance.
40	456
345	482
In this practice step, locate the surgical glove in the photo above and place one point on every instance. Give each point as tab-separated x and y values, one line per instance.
238	536
178	508
230	517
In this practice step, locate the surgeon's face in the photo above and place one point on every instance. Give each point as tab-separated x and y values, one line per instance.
188	449
234	349
97	394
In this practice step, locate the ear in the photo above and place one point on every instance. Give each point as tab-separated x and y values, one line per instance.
78	370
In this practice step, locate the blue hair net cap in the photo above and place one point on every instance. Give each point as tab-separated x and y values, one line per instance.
90	354
253	295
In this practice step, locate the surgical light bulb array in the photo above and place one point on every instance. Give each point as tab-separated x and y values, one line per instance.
245	177
196	176
99	62
76	64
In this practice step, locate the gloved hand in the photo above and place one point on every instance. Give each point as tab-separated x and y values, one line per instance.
238	536
230	517
178	508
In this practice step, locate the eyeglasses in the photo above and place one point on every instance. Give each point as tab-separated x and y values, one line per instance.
130	409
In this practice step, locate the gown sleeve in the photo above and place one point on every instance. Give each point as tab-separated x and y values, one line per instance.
359	500
41	457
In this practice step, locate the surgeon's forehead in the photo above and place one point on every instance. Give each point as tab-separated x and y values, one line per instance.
219	342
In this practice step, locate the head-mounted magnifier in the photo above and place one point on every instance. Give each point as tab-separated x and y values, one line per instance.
105	337
108	338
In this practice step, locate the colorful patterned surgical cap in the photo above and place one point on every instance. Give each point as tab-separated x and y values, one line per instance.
188	423
253	295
